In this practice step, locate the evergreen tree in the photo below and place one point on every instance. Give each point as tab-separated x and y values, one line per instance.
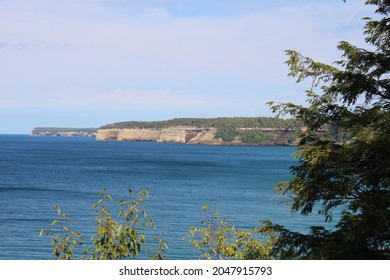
350	175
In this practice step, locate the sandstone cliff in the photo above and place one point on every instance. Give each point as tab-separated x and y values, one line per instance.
171	134
191	135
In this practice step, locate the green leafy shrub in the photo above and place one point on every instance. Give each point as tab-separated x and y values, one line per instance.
116	238
217	240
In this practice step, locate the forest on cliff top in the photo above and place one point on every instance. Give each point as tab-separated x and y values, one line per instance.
243	122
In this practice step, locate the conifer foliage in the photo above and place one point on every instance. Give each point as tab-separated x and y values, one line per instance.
347	180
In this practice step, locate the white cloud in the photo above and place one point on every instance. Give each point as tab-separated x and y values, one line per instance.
139	104
157	60
233	48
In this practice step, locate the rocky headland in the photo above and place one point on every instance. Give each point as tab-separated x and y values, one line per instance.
195	135
206	131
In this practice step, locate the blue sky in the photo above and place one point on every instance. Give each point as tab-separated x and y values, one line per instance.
87	63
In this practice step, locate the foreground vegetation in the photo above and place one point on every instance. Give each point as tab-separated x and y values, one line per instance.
117	237
348	174
123	236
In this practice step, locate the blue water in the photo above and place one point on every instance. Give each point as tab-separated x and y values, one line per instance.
37	173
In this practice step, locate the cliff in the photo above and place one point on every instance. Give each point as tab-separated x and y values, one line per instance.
196	135
62	131
176	134
208	131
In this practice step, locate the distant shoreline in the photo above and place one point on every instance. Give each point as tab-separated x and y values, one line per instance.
64	132
237	131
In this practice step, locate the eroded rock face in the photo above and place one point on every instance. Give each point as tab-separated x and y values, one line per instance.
206	137
170	134
107	134
183	134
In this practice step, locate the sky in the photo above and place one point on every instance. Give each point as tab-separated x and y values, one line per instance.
87	63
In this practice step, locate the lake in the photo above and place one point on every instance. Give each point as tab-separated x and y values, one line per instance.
40	172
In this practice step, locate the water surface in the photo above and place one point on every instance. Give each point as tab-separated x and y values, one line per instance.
37	173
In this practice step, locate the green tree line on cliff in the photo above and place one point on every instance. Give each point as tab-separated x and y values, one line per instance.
245	122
